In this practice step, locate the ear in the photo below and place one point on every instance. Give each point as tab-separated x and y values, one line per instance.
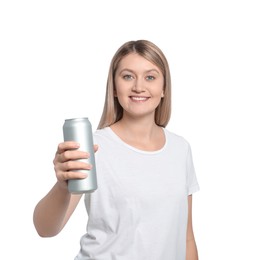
162	95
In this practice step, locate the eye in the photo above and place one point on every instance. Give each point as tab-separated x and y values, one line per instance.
150	78
128	77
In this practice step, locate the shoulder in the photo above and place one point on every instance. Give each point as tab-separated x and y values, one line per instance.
101	134
104	137
175	140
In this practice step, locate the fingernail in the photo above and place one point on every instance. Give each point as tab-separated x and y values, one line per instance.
84	175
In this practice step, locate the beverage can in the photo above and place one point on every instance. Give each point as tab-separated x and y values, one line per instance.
80	130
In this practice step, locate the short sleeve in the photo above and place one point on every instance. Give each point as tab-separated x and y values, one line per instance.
192	182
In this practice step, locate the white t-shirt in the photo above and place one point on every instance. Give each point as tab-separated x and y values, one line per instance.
139	211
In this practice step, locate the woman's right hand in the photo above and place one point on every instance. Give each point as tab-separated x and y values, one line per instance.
66	164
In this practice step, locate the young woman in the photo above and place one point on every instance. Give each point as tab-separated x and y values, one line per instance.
142	208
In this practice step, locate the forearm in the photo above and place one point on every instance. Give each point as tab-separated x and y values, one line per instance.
50	212
191	250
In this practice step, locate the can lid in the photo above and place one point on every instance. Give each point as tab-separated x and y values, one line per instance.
77	119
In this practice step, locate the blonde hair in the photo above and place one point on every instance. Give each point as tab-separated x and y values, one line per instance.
113	111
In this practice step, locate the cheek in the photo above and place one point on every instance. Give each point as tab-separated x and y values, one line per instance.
120	89
116	90
159	92
120	95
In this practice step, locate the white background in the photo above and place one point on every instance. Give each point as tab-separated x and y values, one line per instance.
54	60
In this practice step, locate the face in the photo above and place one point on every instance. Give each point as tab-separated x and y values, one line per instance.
138	86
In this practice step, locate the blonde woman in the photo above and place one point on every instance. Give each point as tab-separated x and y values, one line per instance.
142	209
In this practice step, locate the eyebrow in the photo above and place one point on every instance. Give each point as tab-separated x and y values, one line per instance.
147	71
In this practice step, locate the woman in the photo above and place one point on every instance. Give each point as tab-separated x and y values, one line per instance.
142	208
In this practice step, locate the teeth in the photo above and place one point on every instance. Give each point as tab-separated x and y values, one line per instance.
139	98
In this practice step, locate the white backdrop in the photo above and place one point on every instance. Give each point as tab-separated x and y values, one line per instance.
54	60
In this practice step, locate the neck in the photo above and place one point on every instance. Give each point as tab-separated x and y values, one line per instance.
142	134
143	127
140	129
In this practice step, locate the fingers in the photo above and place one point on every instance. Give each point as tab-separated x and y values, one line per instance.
69	145
68	161
95	147
72	155
71	170
74	166
68	175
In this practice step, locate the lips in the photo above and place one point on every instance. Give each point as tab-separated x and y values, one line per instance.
138	98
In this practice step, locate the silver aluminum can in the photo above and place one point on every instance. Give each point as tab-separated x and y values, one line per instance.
80	130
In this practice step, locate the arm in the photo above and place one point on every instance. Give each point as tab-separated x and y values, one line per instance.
54	210
191	248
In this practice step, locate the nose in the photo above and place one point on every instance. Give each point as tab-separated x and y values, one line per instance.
138	86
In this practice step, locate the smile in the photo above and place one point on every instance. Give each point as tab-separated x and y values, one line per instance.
137	98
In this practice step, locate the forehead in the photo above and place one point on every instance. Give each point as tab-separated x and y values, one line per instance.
136	62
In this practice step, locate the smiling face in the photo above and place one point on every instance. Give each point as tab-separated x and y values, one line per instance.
139	86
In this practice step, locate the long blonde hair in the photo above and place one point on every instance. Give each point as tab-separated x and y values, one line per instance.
113	111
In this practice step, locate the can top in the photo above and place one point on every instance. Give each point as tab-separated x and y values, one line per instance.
77	119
